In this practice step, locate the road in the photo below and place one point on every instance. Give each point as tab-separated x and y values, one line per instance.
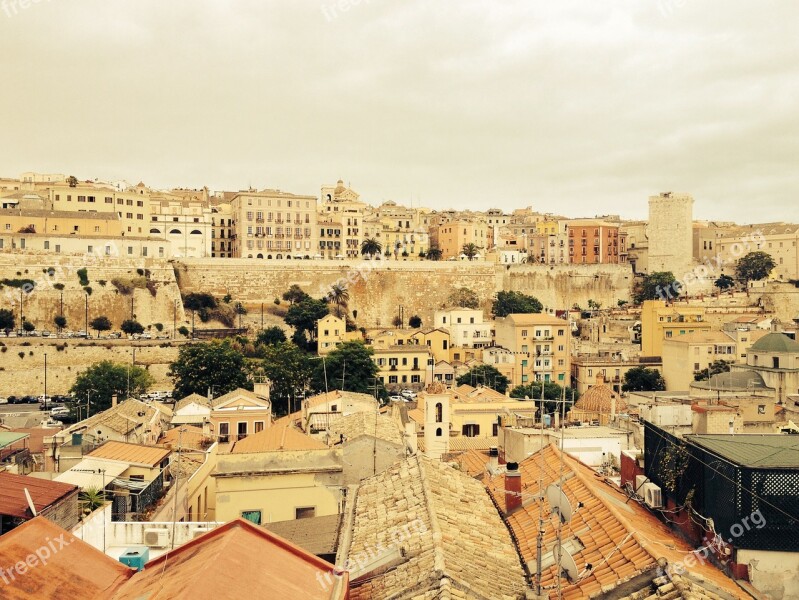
18	408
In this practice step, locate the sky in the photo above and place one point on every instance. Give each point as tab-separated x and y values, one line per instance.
572	107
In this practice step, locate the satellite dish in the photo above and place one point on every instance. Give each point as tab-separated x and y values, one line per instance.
566	564
559	503
28	498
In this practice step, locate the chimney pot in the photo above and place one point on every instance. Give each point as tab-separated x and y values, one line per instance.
513	488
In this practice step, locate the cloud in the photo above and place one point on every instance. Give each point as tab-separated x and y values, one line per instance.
573	107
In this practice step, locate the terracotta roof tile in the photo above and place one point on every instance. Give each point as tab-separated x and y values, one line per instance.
619	538
276	438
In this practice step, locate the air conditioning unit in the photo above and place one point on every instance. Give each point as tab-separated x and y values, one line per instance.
196	532
640	480
156	538
652	495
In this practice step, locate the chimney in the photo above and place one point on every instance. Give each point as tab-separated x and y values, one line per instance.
612	407
114	401
513	488
493	460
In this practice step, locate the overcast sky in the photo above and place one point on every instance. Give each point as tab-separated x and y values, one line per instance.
573	107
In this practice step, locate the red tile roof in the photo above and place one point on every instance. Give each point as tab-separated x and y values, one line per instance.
619	538
237	560
73	569
43	493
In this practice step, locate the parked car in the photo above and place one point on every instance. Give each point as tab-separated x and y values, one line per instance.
46	333
408	394
3	400
397	399
29	400
59	410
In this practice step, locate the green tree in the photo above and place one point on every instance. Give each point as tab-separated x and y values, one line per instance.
509	303
348	367
199	300
184	331
131	326
464	298
60	321
415	322
72	181
105	379
641	379
216	365
754	266
656	286
289	370
270	336
101	323
295	294
434	253
28	326
470	250
240	310
370	247
339	297
553	393
7	319
716	367
485	375
303	316
724	282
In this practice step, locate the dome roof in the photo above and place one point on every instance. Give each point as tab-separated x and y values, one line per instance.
741	380
775	342
598	400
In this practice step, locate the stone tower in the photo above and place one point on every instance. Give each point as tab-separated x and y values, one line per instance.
436	420
670	233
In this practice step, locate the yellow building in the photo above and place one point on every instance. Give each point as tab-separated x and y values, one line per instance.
660	321
59	222
271	224
278	474
436	340
332	331
342	209
222	229
540	345
407	366
241	413
612	368
547	227
452	236
131	206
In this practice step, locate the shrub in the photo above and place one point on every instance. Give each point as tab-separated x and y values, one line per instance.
83	276
58	286
21	354
102	282
87	289
183	330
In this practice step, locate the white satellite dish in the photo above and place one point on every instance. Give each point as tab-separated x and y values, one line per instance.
28	498
559	503
566	564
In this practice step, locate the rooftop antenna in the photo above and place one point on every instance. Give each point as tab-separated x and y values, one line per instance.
566	565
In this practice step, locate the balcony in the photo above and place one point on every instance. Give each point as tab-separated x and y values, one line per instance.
259	220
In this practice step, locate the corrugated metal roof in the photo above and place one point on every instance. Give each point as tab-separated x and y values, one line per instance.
92	473
237	560
765	451
9	437
42	491
131	453
73	568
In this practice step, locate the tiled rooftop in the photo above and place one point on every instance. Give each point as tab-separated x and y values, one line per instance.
367	423
276	438
617	536
456	545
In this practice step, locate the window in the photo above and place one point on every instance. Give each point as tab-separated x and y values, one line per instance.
253	516
305	512
224	434
46	245
439	412
471	430
259	426
438	432
761	409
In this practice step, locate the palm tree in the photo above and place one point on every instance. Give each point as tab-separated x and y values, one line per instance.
434	253
470	250
339	296
371	247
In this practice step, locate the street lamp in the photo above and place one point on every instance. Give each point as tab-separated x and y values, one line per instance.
45	381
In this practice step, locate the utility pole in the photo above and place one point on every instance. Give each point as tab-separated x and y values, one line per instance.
262	316
45	381
174	319
86	329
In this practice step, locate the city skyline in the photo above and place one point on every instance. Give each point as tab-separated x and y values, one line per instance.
574	109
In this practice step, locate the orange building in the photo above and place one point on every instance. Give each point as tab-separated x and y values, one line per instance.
592	241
